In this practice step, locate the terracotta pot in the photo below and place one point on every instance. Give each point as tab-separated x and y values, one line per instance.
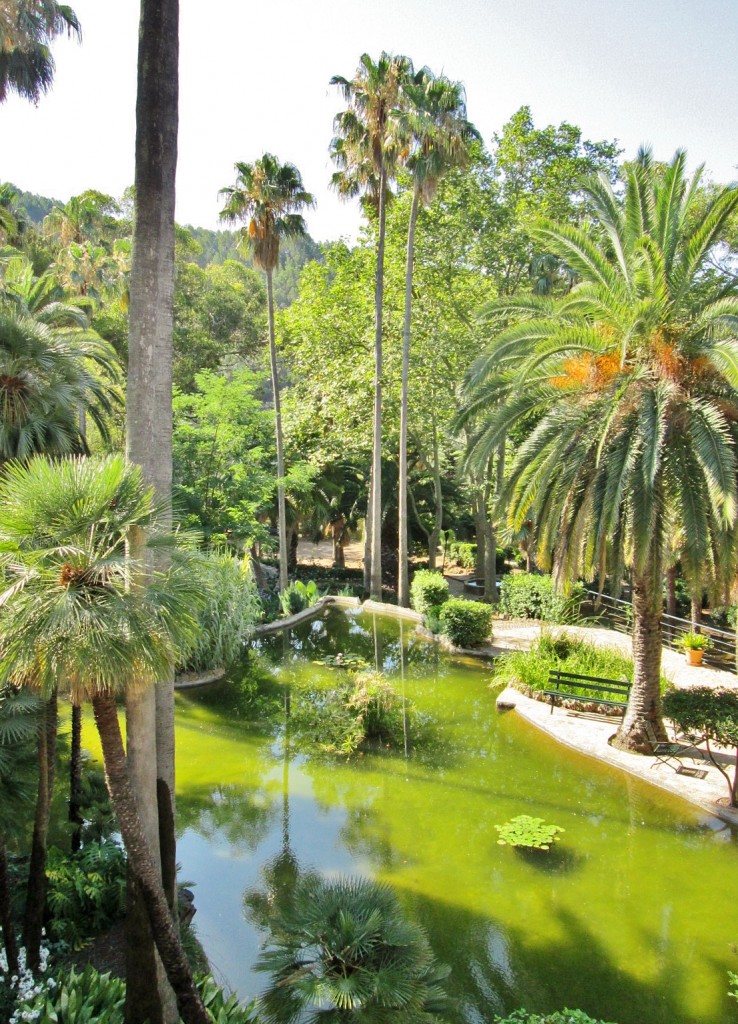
694	657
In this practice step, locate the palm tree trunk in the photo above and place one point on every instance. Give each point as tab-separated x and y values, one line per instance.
6	915
375	589
435	534
670	579
149	711
644	705
281	507
75	778
36	892
142	864
403	576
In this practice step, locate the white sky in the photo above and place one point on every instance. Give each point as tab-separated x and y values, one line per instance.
254	78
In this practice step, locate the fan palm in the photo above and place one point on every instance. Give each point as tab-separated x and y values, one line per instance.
27	29
343	950
633	381
434	121
366	149
268	197
72	618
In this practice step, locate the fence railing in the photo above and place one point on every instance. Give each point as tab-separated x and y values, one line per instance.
619	616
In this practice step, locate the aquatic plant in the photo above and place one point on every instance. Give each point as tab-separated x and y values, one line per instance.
530	833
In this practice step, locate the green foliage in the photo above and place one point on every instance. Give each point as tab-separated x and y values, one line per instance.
89	997
464	554
76	998
346	944
529	596
733	989
298	596
525	831
427	590
702	711
724	616
465	623
363	709
86	891
694	642
530	669
231	610
557	1017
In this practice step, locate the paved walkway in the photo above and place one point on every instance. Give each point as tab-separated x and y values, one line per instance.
589	733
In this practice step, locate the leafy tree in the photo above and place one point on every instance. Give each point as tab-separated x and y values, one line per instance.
366	149
435	123
27	29
632	379
72	617
268	197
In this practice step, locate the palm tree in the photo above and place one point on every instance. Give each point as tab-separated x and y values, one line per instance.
366	149
268	197
72	618
27	29
150	711
435	121
344	949
633	381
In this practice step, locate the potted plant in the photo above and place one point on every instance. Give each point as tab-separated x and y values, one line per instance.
694	646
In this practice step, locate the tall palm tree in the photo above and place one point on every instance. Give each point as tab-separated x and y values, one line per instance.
434	120
27	29
269	197
366	149
72	618
633	381
150	711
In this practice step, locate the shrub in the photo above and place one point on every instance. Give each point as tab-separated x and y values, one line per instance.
531	833
724	616
465	554
230	612
427	590
86	891
465	623
558	1017
298	596
527	596
711	715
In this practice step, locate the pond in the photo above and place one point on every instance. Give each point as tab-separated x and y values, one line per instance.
632	919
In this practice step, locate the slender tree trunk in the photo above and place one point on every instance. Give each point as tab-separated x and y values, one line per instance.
375	589
338	534
644	705
6	915
670	579
149	711
403	576
490	539
281	506
36	891
368	540
480	532
435	534
142	864
696	611
75	778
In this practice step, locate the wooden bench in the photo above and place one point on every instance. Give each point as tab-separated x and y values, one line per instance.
612	693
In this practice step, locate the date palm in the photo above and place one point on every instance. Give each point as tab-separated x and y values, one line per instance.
435	124
366	148
269	197
72	619
633	381
27	29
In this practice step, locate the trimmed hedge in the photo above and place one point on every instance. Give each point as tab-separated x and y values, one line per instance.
465	623
427	590
528	596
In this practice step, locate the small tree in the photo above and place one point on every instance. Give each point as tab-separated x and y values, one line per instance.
712	715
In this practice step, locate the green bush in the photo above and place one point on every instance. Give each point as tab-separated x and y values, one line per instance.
90	997
530	669
427	590
298	596
700	711
229	615
558	1017
465	623
528	596
86	891
464	554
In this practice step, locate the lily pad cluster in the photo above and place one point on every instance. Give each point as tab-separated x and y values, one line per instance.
530	833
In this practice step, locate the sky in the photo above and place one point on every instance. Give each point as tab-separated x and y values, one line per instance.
254	78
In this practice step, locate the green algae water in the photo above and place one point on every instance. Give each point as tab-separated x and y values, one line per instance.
632	917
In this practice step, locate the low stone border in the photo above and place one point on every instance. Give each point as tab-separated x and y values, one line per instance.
189	680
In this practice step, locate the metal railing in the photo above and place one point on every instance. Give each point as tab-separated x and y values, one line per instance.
619	615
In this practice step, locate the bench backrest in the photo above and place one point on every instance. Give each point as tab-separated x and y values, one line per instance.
557	677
